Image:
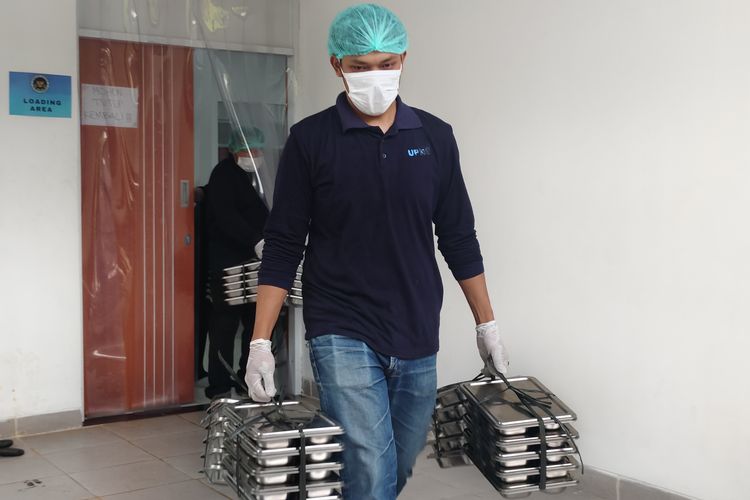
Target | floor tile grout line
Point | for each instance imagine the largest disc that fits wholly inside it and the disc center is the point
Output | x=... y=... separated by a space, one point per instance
x=59 y=431
x=188 y=478
x=154 y=459
x=113 y=443
x=148 y=487
x=212 y=486
x=160 y=434
x=98 y=469
x=81 y=485
x=44 y=453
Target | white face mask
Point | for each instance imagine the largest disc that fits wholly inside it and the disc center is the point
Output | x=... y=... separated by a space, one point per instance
x=372 y=92
x=246 y=163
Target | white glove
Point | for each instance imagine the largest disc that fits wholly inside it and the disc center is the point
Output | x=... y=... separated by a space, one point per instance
x=259 y=371
x=259 y=248
x=491 y=349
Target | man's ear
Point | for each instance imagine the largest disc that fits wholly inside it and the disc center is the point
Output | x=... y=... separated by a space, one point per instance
x=336 y=65
x=403 y=58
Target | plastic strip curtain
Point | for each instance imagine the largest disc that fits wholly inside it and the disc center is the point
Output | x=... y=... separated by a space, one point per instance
x=252 y=87
x=163 y=86
x=236 y=88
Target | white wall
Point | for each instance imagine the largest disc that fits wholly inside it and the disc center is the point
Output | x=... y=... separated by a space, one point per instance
x=605 y=146
x=40 y=219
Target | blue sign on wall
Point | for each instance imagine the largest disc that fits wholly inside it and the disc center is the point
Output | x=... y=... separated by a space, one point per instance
x=39 y=94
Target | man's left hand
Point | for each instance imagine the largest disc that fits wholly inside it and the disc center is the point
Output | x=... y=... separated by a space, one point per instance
x=491 y=348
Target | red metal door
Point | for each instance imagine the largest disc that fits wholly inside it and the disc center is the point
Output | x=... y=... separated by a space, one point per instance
x=137 y=209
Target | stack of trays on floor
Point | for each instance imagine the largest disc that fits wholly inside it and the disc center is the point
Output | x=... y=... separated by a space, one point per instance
x=502 y=436
x=275 y=452
x=239 y=285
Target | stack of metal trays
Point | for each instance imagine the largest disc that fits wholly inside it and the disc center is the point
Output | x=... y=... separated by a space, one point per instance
x=213 y=453
x=502 y=436
x=216 y=422
x=448 y=427
x=240 y=285
x=275 y=452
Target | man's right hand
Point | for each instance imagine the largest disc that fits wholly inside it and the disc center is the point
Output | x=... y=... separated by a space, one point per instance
x=258 y=248
x=259 y=371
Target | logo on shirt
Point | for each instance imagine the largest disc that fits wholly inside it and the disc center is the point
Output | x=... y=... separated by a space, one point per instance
x=425 y=151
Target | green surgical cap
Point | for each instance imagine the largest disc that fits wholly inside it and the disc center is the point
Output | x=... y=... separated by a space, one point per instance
x=366 y=28
x=248 y=138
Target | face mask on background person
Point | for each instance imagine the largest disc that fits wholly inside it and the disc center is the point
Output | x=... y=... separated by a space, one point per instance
x=249 y=164
x=372 y=92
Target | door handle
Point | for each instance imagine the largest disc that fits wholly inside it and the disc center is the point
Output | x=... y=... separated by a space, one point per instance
x=184 y=194
x=188 y=240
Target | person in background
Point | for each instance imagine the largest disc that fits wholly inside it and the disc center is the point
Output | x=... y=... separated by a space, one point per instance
x=359 y=189
x=235 y=217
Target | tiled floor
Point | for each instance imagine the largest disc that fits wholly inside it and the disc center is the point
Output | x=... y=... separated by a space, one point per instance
x=159 y=459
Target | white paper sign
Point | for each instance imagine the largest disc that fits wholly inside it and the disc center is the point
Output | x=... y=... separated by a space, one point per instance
x=108 y=106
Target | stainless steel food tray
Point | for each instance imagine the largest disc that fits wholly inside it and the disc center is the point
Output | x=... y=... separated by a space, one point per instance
x=445 y=445
x=235 y=415
x=247 y=299
x=553 y=438
x=234 y=285
x=250 y=266
x=242 y=276
x=524 y=474
x=233 y=278
x=515 y=490
x=449 y=395
x=449 y=413
x=501 y=406
x=449 y=429
x=450 y=459
x=242 y=292
x=265 y=433
x=521 y=458
x=277 y=457
x=489 y=425
x=322 y=491
x=280 y=476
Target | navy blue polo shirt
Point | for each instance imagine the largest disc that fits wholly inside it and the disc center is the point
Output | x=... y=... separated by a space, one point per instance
x=361 y=205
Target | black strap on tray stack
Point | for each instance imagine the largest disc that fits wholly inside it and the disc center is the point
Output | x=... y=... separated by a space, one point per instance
x=302 y=479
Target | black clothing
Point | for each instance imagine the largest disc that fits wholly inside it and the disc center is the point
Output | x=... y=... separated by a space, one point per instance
x=363 y=205
x=221 y=336
x=235 y=216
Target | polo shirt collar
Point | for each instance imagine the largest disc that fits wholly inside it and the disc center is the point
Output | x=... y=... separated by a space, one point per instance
x=406 y=118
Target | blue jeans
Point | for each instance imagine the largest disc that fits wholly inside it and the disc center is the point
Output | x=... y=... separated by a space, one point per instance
x=384 y=405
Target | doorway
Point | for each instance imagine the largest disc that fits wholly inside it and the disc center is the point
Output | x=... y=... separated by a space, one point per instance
x=155 y=121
